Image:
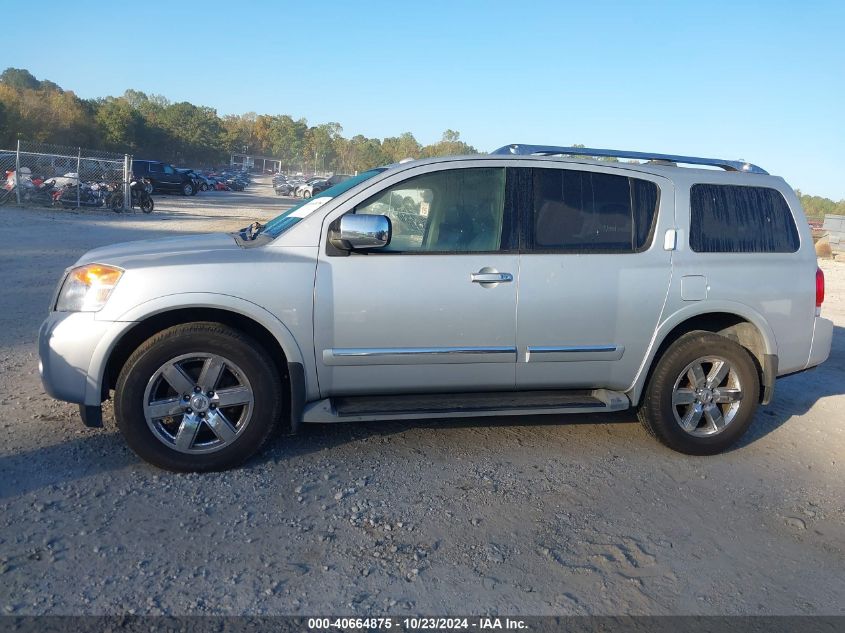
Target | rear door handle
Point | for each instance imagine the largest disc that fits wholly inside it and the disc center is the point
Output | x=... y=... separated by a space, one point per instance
x=490 y=278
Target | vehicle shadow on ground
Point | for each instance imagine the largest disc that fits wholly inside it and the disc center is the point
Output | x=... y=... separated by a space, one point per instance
x=103 y=451
x=796 y=395
x=95 y=453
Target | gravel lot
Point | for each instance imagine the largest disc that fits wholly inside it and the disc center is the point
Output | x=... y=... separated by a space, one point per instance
x=530 y=515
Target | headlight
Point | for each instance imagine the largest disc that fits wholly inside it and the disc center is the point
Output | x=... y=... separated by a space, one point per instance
x=87 y=288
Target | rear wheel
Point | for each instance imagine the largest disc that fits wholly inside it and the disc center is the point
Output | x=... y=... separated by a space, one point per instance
x=198 y=397
x=702 y=395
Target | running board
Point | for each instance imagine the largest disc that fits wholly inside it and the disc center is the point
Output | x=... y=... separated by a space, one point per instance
x=462 y=405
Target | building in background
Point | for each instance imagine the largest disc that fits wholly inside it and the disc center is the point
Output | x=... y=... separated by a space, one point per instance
x=834 y=225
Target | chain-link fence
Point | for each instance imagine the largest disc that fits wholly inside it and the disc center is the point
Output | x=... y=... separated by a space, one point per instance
x=39 y=174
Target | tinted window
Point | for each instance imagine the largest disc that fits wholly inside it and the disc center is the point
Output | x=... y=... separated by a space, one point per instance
x=582 y=211
x=154 y=167
x=735 y=219
x=457 y=210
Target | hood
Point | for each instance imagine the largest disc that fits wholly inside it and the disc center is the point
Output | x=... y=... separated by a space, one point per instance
x=141 y=251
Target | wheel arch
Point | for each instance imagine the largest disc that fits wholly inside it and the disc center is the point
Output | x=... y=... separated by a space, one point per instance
x=270 y=333
x=739 y=324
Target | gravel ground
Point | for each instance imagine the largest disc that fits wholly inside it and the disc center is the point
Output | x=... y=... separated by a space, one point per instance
x=529 y=515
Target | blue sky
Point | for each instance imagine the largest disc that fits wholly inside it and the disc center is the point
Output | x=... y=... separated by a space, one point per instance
x=762 y=81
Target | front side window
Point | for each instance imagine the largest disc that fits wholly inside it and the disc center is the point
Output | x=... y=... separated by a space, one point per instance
x=738 y=219
x=168 y=170
x=582 y=212
x=456 y=210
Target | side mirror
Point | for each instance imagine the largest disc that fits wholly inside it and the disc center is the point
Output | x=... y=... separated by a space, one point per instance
x=361 y=231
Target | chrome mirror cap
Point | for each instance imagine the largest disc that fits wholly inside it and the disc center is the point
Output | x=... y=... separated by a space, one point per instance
x=362 y=231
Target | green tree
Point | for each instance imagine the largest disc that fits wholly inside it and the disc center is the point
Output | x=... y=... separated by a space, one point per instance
x=20 y=79
x=450 y=144
x=121 y=126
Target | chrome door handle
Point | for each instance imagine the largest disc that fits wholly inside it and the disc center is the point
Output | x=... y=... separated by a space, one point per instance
x=490 y=278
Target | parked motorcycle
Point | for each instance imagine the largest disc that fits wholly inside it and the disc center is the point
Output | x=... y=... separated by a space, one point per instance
x=141 y=189
x=113 y=198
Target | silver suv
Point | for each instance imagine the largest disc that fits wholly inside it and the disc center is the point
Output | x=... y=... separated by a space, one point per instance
x=531 y=280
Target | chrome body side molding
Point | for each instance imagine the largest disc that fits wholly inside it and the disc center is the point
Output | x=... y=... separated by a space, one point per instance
x=417 y=355
x=570 y=353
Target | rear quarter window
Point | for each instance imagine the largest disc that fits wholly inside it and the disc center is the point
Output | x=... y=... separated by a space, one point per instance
x=739 y=219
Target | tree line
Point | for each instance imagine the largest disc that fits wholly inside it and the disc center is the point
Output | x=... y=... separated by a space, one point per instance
x=151 y=126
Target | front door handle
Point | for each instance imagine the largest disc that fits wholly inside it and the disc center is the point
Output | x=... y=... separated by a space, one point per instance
x=490 y=278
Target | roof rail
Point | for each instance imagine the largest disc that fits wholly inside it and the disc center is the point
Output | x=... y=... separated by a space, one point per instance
x=551 y=150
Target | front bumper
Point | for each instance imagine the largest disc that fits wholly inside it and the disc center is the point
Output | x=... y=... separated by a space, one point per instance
x=69 y=345
x=822 y=340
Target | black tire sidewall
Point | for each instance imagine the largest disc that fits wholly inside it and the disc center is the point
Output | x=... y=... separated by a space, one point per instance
x=260 y=371
x=658 y=410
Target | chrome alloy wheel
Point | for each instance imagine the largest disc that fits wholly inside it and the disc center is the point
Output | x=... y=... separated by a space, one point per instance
x=198 y=403
x=706 y=396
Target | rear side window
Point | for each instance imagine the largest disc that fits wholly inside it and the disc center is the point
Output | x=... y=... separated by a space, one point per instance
x=736 y=219
x=154 y=167
x=583 y=212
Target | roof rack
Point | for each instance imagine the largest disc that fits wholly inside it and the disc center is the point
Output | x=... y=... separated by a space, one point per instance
x=551 y=150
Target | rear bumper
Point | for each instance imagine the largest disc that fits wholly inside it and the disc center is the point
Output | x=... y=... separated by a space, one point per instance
x=822 y=339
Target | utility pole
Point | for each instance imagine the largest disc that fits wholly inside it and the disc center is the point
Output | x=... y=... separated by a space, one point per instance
x=315 y=163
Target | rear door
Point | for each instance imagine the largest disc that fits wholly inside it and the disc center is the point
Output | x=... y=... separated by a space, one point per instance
x=156 y=175
x=593 y=275
x=171 y=177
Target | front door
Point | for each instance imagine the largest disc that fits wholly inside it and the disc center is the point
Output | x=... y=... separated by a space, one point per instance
x=593 y=275
x=435 y=310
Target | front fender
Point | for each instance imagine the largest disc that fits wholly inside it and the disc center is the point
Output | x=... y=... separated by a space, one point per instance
x=168 y=303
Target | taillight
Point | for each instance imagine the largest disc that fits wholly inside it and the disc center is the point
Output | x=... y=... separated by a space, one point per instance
x=819 y=287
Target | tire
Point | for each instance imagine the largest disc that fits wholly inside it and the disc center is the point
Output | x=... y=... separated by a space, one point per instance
x=116 y=203
x=306 y=194
x=716 y=411
x=147 y=205
x=203 y=187
x=162 y=371
x=188 y=189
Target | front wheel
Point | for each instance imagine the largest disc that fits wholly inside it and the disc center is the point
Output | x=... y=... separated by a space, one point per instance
x=198 y=397
x=702 y=395
x=188 y=189
x=147 y=205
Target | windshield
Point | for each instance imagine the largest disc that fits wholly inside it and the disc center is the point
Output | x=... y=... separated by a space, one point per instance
x=283 y=222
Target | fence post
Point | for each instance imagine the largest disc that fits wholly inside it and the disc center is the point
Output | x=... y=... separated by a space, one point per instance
x=18 y=172
x=127 y=193
x=78 y=175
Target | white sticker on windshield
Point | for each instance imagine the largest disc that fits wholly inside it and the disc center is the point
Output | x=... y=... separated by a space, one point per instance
x=307 y=209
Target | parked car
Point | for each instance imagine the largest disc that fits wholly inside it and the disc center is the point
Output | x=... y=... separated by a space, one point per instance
x=284 y=188
x=311 y=187
x=681 y=292
x=164 y=177
x=336 y=179
x=196 y=180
